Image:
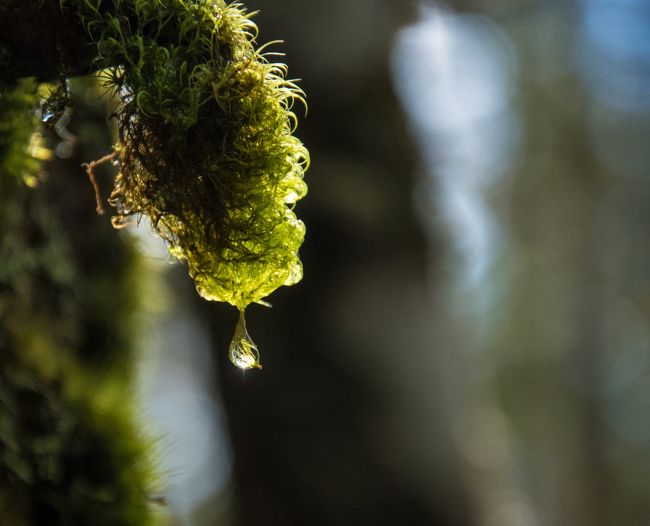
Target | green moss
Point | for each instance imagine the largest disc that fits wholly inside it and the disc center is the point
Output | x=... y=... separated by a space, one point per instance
x=205 y=147
x=68 y=460
x=206 y=151
x=62 y=267
x=17 y=124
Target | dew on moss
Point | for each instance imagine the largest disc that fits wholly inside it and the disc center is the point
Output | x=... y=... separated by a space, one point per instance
x=206 y=147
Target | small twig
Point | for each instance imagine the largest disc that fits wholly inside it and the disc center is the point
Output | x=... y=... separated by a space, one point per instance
x=89 y=167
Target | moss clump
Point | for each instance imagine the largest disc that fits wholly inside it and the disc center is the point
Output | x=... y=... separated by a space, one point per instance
x=205 y=147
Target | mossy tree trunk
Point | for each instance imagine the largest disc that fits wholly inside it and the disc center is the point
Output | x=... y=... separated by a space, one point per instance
x=70 y=450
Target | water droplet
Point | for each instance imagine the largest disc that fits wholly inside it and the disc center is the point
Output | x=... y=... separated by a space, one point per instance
x=48 y=116
x=242 y=351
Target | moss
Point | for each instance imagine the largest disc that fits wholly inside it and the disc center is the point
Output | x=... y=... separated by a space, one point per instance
x=206 y=151
x=17 y=124
x=63 y=268
x=205 y=148
x=68 y=460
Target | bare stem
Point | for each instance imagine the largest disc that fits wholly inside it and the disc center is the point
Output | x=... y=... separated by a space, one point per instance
x=90 y=167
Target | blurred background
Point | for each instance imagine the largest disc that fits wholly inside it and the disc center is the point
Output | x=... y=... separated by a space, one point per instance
x=470 y=343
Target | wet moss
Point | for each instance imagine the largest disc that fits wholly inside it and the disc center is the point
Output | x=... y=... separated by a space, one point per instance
x=206 y=147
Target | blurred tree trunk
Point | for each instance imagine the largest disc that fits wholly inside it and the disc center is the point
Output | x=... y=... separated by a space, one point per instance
x=344 y=425
x=70 y=452
x=565 y=320
x=556 y=313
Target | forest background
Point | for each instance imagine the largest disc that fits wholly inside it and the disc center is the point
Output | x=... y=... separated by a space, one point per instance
x=470 y=342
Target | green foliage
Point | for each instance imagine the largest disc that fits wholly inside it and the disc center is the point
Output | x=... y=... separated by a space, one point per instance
x=205 y=147
x=68 y=460
x=17 y=124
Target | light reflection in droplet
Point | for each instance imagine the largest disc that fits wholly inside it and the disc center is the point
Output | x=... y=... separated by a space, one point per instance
x=242 y=351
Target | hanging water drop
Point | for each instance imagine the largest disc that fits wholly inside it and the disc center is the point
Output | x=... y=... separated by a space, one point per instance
x=243 y=351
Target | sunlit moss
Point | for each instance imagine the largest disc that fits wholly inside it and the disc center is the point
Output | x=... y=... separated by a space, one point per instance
x=205 y=146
